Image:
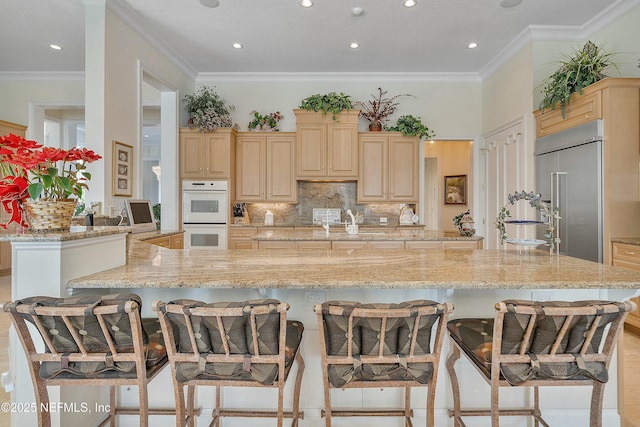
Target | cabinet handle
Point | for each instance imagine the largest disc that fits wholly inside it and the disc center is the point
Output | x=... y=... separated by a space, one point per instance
x=629 y=253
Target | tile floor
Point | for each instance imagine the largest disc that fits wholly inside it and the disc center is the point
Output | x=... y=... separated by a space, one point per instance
x=631 y=361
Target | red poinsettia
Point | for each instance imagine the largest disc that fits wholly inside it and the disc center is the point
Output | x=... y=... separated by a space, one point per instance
x=31 y=170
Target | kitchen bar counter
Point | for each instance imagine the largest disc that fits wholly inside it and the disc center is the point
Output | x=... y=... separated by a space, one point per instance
x=154 y=267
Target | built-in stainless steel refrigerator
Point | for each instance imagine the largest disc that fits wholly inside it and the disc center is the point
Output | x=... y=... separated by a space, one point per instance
x=569 y=177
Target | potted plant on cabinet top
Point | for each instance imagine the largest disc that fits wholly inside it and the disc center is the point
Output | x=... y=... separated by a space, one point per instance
x=378 y=110
x=208 y=110
x=577 y=71
x=268 y=122
x=411 y=126
x=330 y=102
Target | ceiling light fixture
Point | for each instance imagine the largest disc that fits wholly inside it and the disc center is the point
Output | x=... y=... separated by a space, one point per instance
x=210 y=3
x=237 y=46
x=510 y=3
x=409 y=3
x=354 y=45
x=55 y=47
x=357 y=11
x=472 y=45
x=306 y=3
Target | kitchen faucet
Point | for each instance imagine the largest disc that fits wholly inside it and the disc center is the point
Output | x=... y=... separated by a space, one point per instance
x=326 y=223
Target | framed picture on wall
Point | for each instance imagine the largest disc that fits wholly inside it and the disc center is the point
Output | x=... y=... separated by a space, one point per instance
x=122 y=169
x=455 y=190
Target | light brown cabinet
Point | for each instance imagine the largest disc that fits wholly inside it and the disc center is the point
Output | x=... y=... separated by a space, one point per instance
x=207 y=155
x=388 y=168
x=174 y=241
x=628 y=256
x=242 y=238
x=265 y=167
x=327 y=148
x=617 y=102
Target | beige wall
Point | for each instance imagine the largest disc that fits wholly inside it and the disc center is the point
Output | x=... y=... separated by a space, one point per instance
x=454 y=158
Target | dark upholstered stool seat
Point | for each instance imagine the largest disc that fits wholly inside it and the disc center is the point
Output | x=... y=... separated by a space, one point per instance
x=538 y=344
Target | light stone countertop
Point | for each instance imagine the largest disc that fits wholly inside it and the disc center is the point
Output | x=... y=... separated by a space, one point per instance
x=338 y=233
x=19 y=234
x=151 y=266
x=627 y=240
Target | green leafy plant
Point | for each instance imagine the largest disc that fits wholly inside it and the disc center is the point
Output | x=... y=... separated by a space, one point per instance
x=460 y=219
x=379 y=108
x=579 y=70
x=156 y=208
x=208 y=110
x=267 y=122
x=330 y=102
x=411 y=126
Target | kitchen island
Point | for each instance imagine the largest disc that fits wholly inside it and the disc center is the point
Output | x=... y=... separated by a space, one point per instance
x=472 y=279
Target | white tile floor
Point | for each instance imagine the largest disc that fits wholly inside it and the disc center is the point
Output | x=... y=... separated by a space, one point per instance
x=631 y=361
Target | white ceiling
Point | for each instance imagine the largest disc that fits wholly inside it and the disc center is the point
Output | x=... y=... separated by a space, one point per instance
x=282 y=36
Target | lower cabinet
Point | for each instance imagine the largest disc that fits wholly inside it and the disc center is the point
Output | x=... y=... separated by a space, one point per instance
x=174 y=241
x=242 y=238
x=5 y=257
x=628 y=256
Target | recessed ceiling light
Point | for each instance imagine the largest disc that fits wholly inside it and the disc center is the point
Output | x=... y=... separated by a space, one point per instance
x=55 y=47
x=354 y=45
x=237 y=46
x=472 y=45
x=510 y=3
x=409 y=3
x=357 y=11
x=306 y=3
x=210 y=3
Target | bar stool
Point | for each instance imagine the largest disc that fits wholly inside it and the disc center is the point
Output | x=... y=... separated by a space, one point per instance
x=236 y=344
x=381 y=345
x=90 y=341
x=533 y=344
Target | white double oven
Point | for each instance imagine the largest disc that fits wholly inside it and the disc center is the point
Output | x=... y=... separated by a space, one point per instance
x=205 y=213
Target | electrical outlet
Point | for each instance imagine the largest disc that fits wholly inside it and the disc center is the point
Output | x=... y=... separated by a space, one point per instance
x=383 y=220
x=542 y=296
x=312 y=298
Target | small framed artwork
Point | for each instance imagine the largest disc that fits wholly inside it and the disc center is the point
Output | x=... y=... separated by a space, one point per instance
x=122 y=169
x=455 y=190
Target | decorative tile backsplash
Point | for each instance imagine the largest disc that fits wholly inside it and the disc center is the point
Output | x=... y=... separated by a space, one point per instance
x=324 y=195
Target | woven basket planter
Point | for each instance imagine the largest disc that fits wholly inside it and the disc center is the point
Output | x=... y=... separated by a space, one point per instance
x=49 y=215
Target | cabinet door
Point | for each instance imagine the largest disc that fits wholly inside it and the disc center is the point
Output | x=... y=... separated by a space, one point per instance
x=191 y=155
x=250 y=171
x=281 y=177
x=343 y=150
x=403 y=169
x=312 y=149
x=217 y=155
x=372 y=180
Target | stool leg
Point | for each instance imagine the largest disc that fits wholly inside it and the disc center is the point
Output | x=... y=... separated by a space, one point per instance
x=495 y=396
x=455 y=387
x=595 y=415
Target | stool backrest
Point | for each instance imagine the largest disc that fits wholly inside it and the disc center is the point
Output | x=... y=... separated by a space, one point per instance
x=82 y=336
x=556 y=340
x=250 y=335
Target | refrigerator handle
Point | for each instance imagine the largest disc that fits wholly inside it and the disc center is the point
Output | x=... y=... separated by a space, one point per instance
x=555 y=203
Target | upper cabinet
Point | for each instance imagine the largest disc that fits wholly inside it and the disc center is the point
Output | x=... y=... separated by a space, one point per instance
x=389 y=168
x=207 y=155
x=327 y=148
x=265 y=169
x=582 y=109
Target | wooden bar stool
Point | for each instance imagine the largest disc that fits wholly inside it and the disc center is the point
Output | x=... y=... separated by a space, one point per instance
x=90 y=341
x=538 y=344
x=235 y=344
x=381 y=345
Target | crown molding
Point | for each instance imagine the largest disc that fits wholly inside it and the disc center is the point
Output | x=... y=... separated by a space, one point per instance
x=559 y=33
x=41 y=75
x=335 y=76
x=130 y=17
